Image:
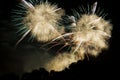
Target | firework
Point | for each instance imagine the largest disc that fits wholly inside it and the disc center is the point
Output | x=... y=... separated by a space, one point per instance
x=92 y=34
x=40 y=20
x=69 y=38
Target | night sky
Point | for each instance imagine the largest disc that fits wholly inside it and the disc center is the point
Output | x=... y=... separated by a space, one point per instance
x=106 y=63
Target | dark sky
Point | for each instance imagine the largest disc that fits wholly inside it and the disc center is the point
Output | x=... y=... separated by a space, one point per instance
x=106 y=62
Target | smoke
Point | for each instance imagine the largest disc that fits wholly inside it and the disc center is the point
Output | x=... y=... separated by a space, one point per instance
x=35 y=58
x=60 y=62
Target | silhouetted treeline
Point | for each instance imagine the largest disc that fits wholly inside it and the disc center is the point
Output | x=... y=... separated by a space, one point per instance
x=76 y=71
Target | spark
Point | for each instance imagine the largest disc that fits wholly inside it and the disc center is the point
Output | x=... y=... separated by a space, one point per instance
x=104 y=33
x=23 y=37
x=66 y=44
x=94 y=7
x=64 y=35
x=28 y=5
x=78 y=46
x=53 y=46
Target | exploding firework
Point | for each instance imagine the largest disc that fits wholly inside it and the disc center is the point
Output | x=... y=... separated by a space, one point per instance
x=89 y=36
x=71 y=38
x=41 y=20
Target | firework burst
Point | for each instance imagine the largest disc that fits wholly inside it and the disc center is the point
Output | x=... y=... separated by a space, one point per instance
x=41 y=20
x=91 y=34
x=73 y=37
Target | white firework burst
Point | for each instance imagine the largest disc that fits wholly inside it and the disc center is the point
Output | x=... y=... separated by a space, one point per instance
x=92 y=33
x=86 y=34
x=40 y=20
